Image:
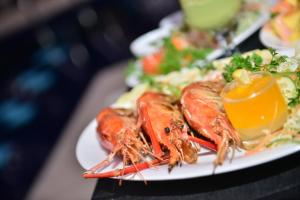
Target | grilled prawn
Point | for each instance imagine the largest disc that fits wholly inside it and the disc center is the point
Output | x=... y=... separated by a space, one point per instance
x=202 y=108
x=120 y=135
x=164 y=124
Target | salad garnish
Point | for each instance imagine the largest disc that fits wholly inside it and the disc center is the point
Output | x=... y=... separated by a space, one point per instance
x=279 y=65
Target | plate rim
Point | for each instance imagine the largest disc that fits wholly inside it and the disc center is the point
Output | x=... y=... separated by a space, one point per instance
x=282 y=151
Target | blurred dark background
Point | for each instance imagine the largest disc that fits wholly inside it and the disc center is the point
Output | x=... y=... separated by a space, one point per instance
x=49 y=51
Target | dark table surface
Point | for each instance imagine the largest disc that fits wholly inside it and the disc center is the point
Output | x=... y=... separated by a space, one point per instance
x=279 y=179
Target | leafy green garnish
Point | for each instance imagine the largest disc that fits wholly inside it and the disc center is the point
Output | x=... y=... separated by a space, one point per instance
x=257 y=59
x=255 y=63
x=131 y=68
x=147 y=79
x=295 y=101
x=175 y=59
x=172 y=58
x=196 y=54
x=275 y=61
x=273 y=15
x=161 y=87
x=168 y=89
x=250 y=63
x=207 y=67
x=281 y=139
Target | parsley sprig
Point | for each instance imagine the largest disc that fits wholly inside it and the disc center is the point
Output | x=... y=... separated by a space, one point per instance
x=250 y=63
x=253 y=63
x=175 y=59
x=275 y=61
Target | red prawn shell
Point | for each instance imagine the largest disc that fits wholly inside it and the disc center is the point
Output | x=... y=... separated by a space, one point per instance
x=201 y=105
x=164 y=124
x=111 y=123
x=204 y=112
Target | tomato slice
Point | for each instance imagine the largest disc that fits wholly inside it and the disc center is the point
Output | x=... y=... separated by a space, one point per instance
x=152 y=62
x=179 y=42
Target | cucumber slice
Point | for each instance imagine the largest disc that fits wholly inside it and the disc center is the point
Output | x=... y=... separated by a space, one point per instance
x=288 y=87
x=242 y=76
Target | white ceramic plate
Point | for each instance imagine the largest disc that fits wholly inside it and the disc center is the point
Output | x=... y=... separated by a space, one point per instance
x=89 y=152
x=270 y=40
x=173 y=20
x=151 y=41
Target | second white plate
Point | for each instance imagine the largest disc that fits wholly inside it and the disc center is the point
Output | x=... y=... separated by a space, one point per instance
x=272 y=41
x=150 y=42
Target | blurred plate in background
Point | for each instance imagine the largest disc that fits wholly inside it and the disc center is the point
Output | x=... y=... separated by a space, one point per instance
x=151 y=41
x=270 y=40
x=172 y=20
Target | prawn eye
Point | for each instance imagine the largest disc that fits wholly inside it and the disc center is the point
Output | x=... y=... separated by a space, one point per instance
x=167 y=130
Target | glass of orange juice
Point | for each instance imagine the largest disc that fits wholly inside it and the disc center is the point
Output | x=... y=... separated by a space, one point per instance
x=256 y=108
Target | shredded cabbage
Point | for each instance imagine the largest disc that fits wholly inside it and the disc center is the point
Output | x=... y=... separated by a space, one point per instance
x=128 y=99
x=293 y=122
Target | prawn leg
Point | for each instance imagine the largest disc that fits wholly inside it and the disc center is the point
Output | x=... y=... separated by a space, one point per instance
x=127 y=170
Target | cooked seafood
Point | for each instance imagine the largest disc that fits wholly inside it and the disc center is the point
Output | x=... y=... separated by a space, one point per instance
x=119 y=134
x=202 y=108
x=162 y=129
x=164 y=124
x=161 y=120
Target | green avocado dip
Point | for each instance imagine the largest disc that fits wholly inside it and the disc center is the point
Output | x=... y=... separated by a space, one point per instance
x=209 y=14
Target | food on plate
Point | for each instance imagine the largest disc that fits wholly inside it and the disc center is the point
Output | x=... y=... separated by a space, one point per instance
x=202 y=107
x=119 y=134
x=293 y=122
x=159 y=121
x=286 y=71
x=167 y=119
x=176 y=52
x=285 y=22
x=260 y=99
x=187 y=46
x=163 y=122
x=290 y=133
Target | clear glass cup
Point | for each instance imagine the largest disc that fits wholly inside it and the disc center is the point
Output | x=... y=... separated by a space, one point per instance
x=209 y=14
x=255 y=109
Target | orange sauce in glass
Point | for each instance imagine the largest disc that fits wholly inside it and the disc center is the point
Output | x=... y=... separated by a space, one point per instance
x=257 y=108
